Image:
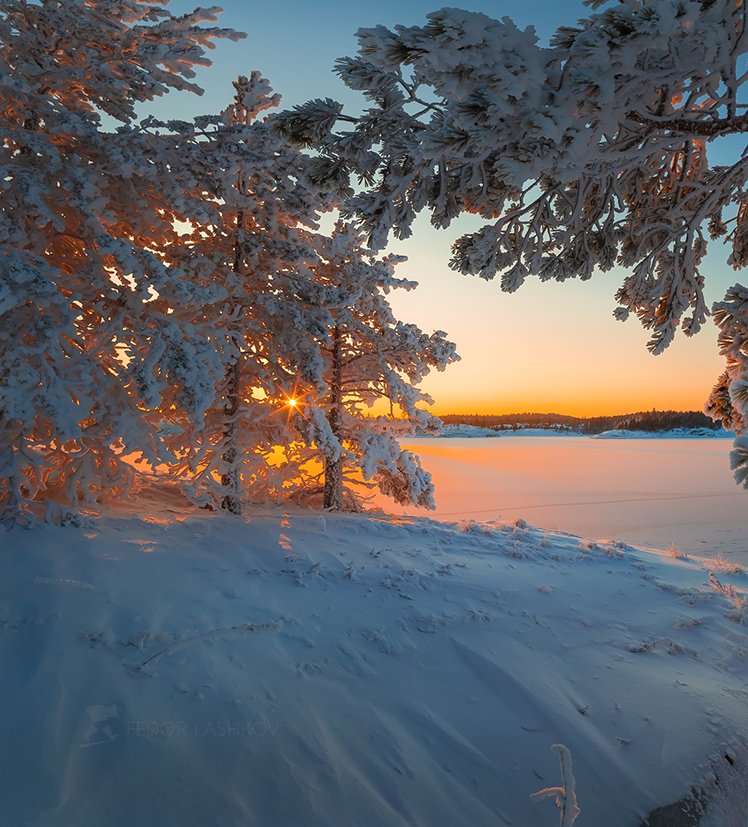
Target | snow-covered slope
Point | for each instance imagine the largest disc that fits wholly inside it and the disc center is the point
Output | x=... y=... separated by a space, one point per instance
x=173 y=669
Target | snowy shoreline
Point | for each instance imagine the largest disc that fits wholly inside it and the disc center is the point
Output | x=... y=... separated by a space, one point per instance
x=476 y=432
x=675 y=433
x=290 y=667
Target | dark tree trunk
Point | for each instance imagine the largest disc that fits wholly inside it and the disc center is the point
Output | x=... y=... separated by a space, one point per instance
x=332 y=498
x=231 y=479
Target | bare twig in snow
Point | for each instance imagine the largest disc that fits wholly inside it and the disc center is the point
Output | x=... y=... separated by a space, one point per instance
x=242 y=629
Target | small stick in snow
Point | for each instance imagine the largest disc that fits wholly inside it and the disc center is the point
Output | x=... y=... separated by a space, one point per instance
x=244 y=628
x=565 y=795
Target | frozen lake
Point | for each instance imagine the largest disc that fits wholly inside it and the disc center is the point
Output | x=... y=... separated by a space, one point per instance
x=649 y=492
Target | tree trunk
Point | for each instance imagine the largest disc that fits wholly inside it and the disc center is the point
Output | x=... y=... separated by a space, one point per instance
x=332 y=498
x=231 y=479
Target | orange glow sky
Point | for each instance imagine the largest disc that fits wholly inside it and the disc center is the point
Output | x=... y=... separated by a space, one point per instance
x=548 y=347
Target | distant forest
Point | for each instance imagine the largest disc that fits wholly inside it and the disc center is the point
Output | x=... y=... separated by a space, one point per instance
x=641 y=421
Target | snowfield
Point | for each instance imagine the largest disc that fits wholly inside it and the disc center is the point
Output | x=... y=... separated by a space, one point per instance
x=164 y=667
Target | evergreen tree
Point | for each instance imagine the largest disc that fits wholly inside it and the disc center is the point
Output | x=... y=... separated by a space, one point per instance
x=256 y=243
x=303 y=330
x=370 y=358
x=85 y=345
x=583 y=155
x=729 y=397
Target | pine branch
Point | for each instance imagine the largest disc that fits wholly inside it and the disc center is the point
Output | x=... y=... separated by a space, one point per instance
x=706 y=129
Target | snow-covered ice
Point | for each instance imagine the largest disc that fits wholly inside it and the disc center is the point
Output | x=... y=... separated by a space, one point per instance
x=650 y=492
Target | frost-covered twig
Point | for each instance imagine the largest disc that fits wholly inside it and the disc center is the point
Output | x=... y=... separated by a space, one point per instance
x=672 y=647
x=726 y=566
x=676 y=551
x=739 y=610
x=242 y=629
x=566 y=797
x=727 y=589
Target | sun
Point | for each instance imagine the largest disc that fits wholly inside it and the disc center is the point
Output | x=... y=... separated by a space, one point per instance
x=293 y=404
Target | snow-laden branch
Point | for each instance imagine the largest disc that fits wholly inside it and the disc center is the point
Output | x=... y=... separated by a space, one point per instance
x=565 y=795
x=696 y=126
x=583 y=155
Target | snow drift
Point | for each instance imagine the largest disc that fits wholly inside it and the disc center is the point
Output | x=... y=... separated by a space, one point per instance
x=289 y=668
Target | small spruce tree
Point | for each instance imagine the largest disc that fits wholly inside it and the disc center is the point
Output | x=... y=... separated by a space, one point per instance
x=370 y=359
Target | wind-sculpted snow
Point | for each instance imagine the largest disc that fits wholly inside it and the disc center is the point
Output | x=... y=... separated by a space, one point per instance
x=295 y=668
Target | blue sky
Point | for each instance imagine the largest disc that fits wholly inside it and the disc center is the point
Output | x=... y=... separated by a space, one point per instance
x=295 y=44
x=548 y=346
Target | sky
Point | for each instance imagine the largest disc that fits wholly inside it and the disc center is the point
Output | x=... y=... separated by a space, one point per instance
x=547 y=347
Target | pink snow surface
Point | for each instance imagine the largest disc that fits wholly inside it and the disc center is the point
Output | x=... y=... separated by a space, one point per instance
x=651 y=492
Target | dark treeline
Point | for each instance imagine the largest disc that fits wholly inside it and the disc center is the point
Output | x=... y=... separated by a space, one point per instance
x=641 y=421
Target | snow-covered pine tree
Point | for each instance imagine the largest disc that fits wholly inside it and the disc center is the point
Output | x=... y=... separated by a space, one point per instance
x=83 y=346
x=370 y=359
x=257 y=243
x=596 y=151
x=728 y=400
x=569 y=151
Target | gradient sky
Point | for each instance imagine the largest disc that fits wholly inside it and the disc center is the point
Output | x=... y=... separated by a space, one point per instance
x=548 y=347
